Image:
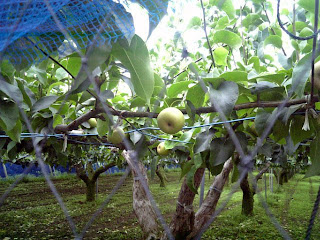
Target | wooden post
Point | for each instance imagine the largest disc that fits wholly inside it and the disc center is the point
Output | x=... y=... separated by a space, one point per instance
x=271 y=180
x=265 y=186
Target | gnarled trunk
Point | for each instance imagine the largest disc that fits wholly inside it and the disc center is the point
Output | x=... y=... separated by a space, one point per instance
x=90 y=194
x=161 y=176
x=210 y=203
x=247 y=197
x=183 y=220
x=141 y=204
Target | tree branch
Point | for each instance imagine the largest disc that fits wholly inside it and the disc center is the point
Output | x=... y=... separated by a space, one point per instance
x=263 y=170
x=102 y=169
x=202 y=110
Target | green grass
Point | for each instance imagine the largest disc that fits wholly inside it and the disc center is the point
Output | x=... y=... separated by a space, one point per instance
x=32 y=212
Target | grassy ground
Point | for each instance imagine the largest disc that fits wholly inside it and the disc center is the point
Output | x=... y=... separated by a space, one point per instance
x=32 y=212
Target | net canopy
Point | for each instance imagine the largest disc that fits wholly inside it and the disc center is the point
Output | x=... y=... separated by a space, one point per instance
x=58 y=26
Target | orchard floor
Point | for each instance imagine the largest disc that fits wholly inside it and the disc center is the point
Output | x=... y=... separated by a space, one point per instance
x=32 y=212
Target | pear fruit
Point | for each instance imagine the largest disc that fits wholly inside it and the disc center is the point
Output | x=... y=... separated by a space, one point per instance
x=161 y=150
x=170 y=120
x=92 y=122
x=116 y=136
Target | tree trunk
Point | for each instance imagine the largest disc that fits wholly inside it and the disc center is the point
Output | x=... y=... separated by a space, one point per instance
x=91 y=194
x=283 y=178
x=210 y=203
x=161 y=176
x=247 y=197
x=183 y=220
x=141 y=204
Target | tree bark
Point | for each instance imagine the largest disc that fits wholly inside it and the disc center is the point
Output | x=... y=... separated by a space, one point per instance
x=141 y=205
x=91 y=180
x=183 y=220
x=90 y=194
x=161 y=176
x=247 y=198
x=210 y=203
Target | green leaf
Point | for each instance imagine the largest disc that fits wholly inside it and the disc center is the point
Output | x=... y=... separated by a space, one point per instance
x=220 y=55
x=225 y=97
x=220 y=151
x=11 y=91
x=226 y=6
x=274 y=41
x=28 y=95
x=223 y=22
x=235 y=76
x=159 y=87
x=40 y=72
x=194 y=22
x=114 y=77
x=203 y=141
x=252 y=19
x=102 y=127
x=190 y=179
x=261 y=120
x=196 y=95
x=307 y=5
x=15 y=133
x=9 y=114
x=191 y=110
x=296 y=131
x=43 y=103
x=177 y=88
x=95 y=57
x=7 y=69
x=57 y=119
x=136 y=60
x=314 y=169
x=231 y=39
x=74 y=65
x=300 y=75
x=185 y=168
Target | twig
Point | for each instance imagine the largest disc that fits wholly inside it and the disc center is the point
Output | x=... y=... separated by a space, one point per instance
x=205 y=31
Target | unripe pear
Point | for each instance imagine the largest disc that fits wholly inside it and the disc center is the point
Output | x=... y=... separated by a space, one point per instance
x=161 y=150
x=116 y=136
x=92 y=122
x=170 y=120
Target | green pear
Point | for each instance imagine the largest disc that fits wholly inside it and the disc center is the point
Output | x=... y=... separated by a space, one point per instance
x=161 y=150
x=92 y=122
x=116 y=136
x=170 y=120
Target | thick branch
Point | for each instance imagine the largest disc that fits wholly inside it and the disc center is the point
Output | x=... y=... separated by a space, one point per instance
x=210 y=203
x=184 y=219
x=102 y=169
x=127 y=114
x=81 y=173
x=263 y=170
x=142 y=206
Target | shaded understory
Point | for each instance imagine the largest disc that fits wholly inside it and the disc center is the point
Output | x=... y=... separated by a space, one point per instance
x=32 y=212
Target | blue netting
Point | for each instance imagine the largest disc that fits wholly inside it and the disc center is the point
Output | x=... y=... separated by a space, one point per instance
x=25 y=24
